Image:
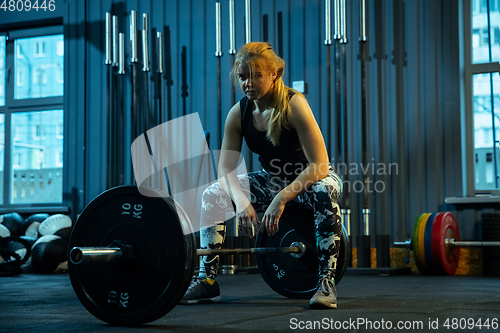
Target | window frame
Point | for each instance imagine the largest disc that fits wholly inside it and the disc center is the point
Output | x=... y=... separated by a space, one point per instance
x=13 y=106
x=470 y=69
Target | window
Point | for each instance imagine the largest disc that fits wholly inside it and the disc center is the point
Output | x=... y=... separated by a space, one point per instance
x=20 y=77
x=43 y=63
x=60 y=131
x=2 y=154
x=482 y=94
x=60 y=48
x=39 y=49
x=32 y=117
x=2 y=69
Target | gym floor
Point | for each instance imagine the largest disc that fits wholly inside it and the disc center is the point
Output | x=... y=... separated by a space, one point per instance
x=46 y=303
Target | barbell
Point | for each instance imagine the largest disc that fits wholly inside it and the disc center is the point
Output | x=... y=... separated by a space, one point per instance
x=436 y=243
x=132 y=256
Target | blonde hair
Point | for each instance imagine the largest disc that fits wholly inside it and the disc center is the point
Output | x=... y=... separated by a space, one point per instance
x=259 y=54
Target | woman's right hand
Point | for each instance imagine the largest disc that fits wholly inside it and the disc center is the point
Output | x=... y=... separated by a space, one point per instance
x=246 y=218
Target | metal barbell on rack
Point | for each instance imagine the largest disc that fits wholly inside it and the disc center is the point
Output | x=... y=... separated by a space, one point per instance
x=436 y=243
x=132 y=256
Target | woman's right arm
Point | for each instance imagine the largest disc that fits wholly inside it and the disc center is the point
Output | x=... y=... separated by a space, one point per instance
x=228 y=179
x=230 y=154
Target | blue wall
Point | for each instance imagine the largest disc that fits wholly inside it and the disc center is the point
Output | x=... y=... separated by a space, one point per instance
x=413 y=90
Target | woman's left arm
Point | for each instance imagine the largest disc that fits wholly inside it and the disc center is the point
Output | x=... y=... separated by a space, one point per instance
x=302 y=119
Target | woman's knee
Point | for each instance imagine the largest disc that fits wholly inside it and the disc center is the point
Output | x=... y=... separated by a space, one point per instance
x=215 y=196
x=327 y=189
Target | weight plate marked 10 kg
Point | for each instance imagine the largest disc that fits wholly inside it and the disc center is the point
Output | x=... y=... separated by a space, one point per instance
x=445 y=255
x=147 y=287
x=296 y=277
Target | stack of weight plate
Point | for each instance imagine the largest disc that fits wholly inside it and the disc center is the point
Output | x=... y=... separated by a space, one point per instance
x=491 y=255
x=433 y=256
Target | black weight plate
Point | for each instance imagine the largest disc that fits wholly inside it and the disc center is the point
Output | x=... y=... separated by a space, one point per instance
x=143 y=289
x=296 y=277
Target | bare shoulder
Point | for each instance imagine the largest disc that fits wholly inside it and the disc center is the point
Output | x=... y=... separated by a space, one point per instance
x=299 y=110
x=233 y=119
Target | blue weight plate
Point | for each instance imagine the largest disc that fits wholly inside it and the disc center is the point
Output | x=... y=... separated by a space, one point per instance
x=428 y=244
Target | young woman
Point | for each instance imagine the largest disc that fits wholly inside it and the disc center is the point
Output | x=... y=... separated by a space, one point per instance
x=278 y=125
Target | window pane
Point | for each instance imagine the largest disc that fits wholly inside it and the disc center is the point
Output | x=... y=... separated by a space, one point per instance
x=486 y=88
x=37 y=150
x=38 y=62
x=485 y=41
x=2 y=154
x=2 y=70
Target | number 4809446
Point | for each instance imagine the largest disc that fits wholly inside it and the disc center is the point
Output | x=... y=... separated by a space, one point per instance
x=28 y=5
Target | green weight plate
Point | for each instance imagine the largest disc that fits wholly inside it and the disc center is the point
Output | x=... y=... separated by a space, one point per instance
x=414 y=241
x=421 y=248
x=143 y=289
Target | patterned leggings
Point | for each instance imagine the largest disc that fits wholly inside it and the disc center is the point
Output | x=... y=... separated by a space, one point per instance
x=322 y=197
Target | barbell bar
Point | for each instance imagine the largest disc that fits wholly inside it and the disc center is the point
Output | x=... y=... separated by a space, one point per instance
x=92 y=255
x=408 y=243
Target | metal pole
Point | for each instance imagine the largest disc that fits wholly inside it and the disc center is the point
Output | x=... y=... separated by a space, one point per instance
x=94 y=255
x=108 y=62
x=256 y=250
x=453 y=242
x=232 y=45
x=342 y=88
x=134 y=112
x=328 y=43
x=471 y=243
x=248 y=22
x=364 y=116
x=218 y=54
x=160 y=72
x=120 y=116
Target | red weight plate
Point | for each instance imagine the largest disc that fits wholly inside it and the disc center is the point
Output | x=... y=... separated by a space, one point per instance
x=445 y=255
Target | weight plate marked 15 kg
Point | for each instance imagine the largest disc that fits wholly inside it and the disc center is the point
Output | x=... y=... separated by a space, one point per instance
x=296 y=277
x=147 y=287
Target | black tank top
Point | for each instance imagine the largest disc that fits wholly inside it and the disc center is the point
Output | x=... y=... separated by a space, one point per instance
x=286 y=160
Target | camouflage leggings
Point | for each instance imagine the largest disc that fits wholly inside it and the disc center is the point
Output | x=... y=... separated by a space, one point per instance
x=322 y=197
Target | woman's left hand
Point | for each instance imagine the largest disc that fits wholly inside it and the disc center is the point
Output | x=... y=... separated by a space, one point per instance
x=271 y=217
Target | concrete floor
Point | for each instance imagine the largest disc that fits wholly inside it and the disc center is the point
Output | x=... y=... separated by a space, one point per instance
x=47 y=303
